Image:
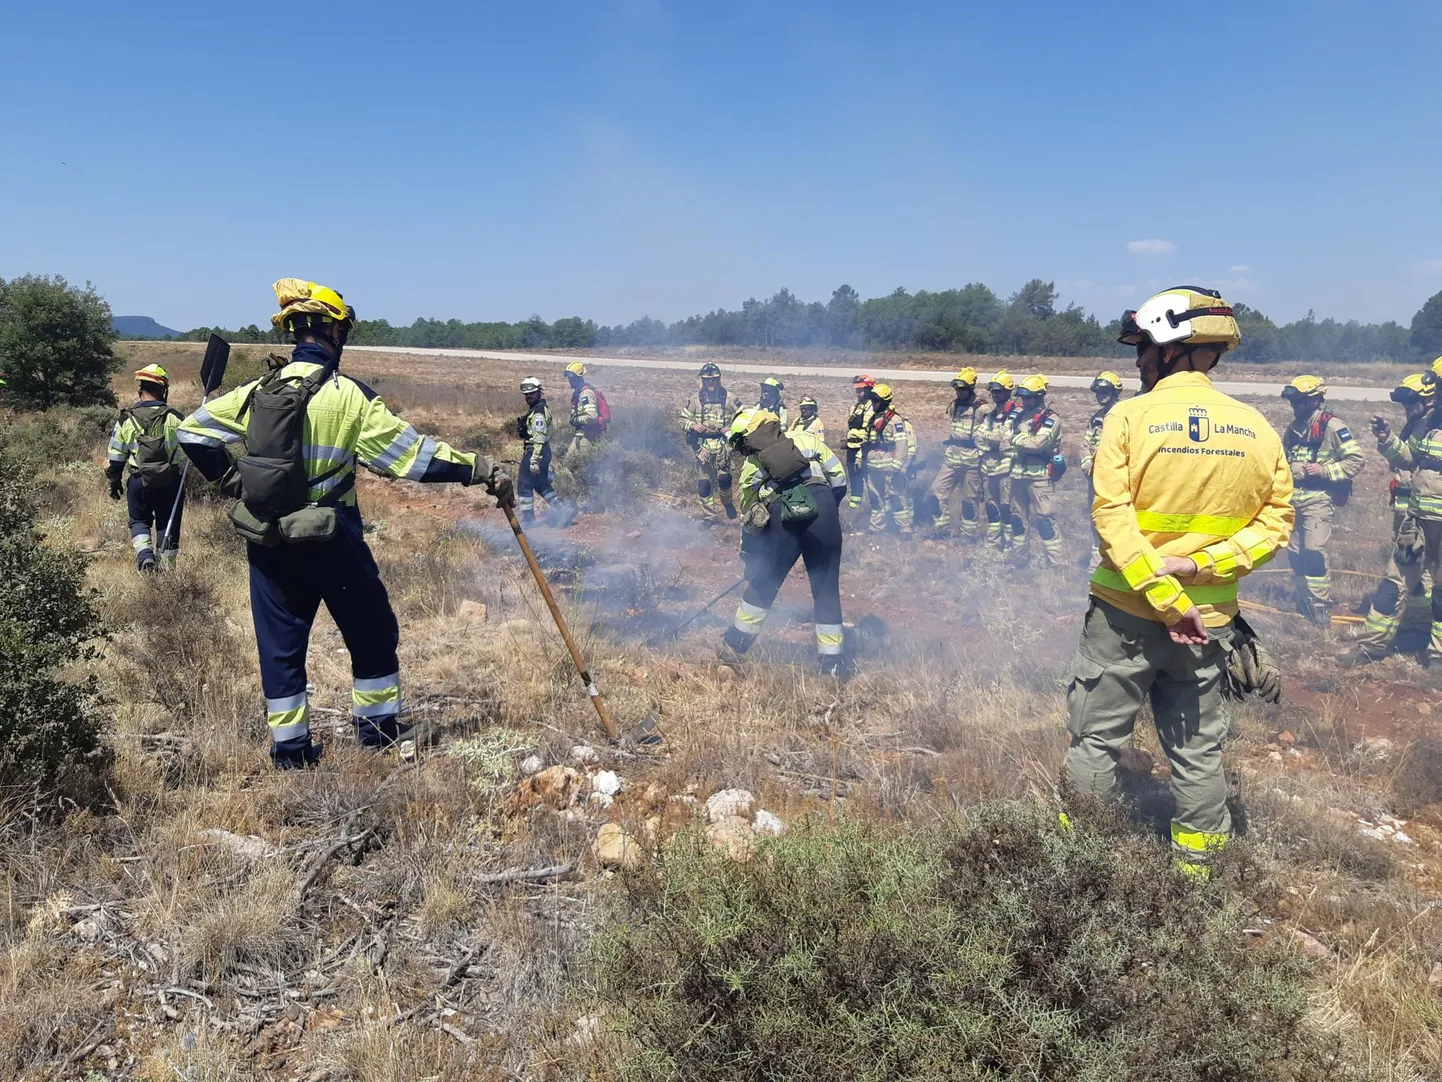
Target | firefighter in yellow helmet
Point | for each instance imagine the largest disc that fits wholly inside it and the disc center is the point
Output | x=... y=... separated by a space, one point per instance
x=306 y=429
x=790 y=490
x=1036 y=461
x=1325 y=458
x=770 y=400
x=144 y=439
x=705 y=418
x=1107 y=387
x=993 y=436
x=858 y=421
x=890 y=451
x=807 y=419
x=586 y=421
x=1416 y=519
x=961 y=458
x=1193 y=491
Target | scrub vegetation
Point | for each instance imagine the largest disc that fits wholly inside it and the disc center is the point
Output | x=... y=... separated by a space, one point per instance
x=173 y=908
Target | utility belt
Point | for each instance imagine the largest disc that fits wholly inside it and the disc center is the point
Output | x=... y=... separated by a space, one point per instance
x=314 y=522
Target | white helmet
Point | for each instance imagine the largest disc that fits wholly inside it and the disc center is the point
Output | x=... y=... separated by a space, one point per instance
x=530 y=385
x=1183 y=314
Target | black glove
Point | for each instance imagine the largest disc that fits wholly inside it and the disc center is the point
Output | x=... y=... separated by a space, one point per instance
x=502 y=488
x=1248 y=669
x=116 y=490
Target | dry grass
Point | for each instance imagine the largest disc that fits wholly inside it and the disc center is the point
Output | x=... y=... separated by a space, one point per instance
x=959 y=702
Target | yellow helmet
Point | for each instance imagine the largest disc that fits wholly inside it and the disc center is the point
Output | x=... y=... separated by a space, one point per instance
x=1105 y=380
x=1003 y=380
x=308 y=304
x=1305 y=387
x=1418 y=387
x=748 y=421
x=1032 y=386
x=965 y=378
x=1187 y=314
x=153 y=373
x=576 y=368
x=1437 y=368
x=883 y=392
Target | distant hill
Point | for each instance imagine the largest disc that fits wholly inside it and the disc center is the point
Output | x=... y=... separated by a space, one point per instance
x=141 y=327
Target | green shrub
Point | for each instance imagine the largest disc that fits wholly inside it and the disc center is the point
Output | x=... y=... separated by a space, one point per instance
x=1001 y=947
x=48 y=725
x=58 y=435
x=55 y=343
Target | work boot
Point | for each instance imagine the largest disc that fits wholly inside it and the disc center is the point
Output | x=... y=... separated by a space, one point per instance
x=734 y=645
x=837 y=665
x=145 y=562
x=563 y=515
x=296 y=758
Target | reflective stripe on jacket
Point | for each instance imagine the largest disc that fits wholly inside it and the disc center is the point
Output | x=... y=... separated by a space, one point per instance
x=961 y=448
x=754 y=485
x=1421 y=452
x=346 y=422
x=1036 y=440
x=1184 y=470
x=121 y=452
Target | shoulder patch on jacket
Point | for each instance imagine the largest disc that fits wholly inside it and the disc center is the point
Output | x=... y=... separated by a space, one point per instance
x=364 y=389
x=1343 y=433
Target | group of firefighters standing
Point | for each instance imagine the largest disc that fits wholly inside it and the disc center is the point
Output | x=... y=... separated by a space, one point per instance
x=1190 y=490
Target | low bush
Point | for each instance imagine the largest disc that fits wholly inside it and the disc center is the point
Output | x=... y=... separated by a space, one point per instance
x=998 y=947
x=49 y=725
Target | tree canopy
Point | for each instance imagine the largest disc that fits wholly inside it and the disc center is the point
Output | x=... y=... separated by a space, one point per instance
x=55 y=343
x=969 y=319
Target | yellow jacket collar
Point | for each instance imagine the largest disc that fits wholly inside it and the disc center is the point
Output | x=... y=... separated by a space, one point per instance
x=1185 y=378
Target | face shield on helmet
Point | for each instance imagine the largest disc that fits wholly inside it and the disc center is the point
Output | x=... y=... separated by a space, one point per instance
x=1305 y=392
x=1107 y=385
x=576 y=373
x=881 y=395
x=964 y=381
x=531 y=388
x=807 y=406
x=771 y=389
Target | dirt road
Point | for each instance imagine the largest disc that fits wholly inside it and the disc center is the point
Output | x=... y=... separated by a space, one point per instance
x=888 y=375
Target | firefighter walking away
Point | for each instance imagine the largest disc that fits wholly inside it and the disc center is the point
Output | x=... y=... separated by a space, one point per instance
x=1193 y=491
x=789 y=495
x=144 y=440
x=306 y=428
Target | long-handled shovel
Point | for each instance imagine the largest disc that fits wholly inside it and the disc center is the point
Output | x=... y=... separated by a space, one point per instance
x=674 y=632
x=212 y=372
x=591 y=689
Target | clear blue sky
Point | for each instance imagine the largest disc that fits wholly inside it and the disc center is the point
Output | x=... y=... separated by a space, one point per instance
x=614 y=159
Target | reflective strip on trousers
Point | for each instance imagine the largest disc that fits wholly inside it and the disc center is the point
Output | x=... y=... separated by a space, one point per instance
x=829 y=639
x=140 y=539
x=1223 y=594
x=749 y=618
x=1197 y=841
x=378 y=697
x=288 y=717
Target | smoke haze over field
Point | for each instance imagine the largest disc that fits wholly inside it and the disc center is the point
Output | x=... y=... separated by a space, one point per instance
x=624 y=159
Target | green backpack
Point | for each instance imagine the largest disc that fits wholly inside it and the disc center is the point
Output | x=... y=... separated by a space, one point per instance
x=274 y=504
x=152 y=455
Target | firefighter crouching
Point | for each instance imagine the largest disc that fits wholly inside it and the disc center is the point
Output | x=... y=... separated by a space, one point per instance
x=857 y=422
x=1193 y=491
x=144 y=439
x=1107 y=388
x=993 y=435
x=306 y=427
x=890 y=450
x=790 y=491
x=1417 y=552
x=1324 y=458
x=960 y=472
x=705 y=418
x=1036 y=460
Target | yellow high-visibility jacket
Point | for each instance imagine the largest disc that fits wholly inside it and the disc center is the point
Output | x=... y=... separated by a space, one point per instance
x=1184 y=470
x=814 y=426
x=128 y=429
x=754 y=485
x=346 y=423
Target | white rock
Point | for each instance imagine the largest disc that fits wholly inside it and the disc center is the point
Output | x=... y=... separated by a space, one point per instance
x=1375 y=747
x=87 y=930
x=729 y=803
x=1402 y=838
x=243 y=845
x=606 y=781
x=766 y=824
x=1373 y=833
x=1274 y=756
x=600 y=800
x=532 y=764
x=584 y=754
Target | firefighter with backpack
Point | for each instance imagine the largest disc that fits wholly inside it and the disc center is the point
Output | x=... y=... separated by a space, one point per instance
x=535 y=476
x=144 y=440
x=307 y=427
x=1324 y=459
x=590 y=413
x=890 y=452
x=1036 y=465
